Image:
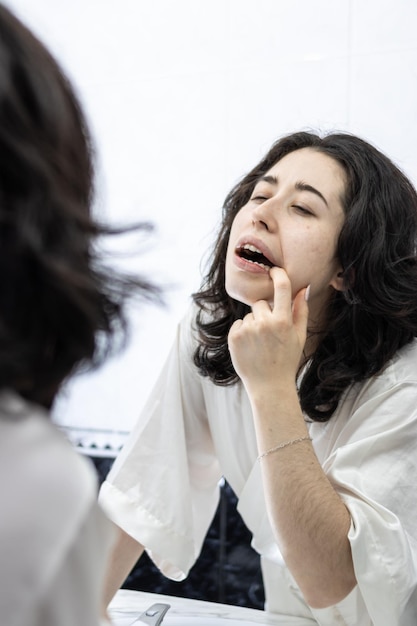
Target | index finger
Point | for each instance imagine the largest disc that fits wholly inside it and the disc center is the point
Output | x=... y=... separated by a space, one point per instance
x=282 y=291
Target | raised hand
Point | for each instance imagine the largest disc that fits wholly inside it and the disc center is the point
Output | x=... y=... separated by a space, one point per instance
x=267 y=345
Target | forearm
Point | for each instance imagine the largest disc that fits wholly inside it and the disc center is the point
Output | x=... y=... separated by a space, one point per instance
x=309 y=519
x=124 y=556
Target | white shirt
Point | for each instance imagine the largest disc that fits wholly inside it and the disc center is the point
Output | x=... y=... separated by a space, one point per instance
x=163 y=487
x=54 y=538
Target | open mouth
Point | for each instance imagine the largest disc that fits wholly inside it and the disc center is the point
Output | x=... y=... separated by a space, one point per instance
x=253 y=255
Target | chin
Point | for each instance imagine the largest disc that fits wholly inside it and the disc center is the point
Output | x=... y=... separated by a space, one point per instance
x=248 y=297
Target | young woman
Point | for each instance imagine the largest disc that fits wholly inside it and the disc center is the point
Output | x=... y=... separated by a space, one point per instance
x=59 y=309
x=294 y=375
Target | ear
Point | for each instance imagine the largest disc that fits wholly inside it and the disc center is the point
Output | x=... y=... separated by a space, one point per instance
x=338 y=280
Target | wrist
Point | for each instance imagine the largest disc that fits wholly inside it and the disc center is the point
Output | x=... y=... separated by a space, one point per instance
x=279 y=395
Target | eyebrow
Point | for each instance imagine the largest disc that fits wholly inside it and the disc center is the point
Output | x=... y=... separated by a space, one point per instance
x=300 y=186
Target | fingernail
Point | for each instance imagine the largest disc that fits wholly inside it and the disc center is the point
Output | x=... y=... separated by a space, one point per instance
x=307 y=293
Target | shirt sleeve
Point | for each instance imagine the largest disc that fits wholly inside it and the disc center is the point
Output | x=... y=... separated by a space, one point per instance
x=374 y=469
x=163 y=487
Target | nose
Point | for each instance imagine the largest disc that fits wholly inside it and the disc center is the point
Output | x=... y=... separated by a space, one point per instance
x=264 y=215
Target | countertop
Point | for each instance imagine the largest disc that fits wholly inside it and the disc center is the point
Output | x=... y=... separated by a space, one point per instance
x=128 y=605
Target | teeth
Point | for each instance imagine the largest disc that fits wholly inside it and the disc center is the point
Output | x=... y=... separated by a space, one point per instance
x=252 y=248
x=249 y=246
x=266 y=267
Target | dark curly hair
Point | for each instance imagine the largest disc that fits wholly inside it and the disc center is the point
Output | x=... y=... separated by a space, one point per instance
x=60 y=307
x=374 y=316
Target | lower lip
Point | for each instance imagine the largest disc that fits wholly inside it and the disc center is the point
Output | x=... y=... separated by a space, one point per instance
x=248 y=266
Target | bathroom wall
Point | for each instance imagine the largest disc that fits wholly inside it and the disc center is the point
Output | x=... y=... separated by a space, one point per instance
x=183 y=97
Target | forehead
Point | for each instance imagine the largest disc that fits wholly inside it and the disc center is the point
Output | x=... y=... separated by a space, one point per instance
x=312 y=167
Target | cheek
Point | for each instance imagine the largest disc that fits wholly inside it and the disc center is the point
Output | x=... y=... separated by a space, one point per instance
x=310 y=258
x=230 y=247
x=234 y=233
x=320 y=245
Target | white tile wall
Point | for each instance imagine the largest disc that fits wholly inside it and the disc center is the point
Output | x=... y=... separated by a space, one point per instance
x=184 y=96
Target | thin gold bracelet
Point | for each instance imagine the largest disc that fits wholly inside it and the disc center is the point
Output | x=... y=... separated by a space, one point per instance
x=291 y=442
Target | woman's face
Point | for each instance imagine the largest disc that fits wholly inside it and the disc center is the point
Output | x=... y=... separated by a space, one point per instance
x=292 y=220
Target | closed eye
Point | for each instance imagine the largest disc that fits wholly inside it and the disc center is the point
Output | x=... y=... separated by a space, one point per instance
x=259 y=199
x=303 y=210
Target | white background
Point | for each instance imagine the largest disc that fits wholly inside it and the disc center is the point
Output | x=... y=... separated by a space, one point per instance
x=185 y=96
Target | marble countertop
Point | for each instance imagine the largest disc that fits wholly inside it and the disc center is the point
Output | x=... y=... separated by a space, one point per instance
x=127 y=606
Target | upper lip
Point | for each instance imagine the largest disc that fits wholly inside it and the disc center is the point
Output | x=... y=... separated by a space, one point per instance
x=260 y=246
